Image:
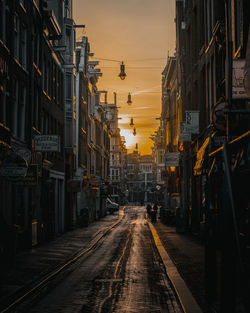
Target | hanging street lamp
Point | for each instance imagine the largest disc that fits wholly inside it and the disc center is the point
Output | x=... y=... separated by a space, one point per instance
x=134 y=132
x=129 y=102
x=122 y=74
x=131 y=122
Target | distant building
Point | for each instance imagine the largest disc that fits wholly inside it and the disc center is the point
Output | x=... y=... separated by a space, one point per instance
x=140 y=178
x=118 y=152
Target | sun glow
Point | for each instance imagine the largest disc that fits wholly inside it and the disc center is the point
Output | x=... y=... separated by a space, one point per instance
x=129 y=137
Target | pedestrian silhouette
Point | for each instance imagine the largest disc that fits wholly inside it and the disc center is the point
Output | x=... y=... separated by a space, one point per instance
x=149 y=209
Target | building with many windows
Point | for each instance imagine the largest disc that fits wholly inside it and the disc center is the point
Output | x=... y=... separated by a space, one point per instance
x=117 y=165
x=31 y=106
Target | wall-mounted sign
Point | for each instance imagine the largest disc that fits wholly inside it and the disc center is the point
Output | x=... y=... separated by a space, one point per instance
x=46 y=143
x=192 y=121
x=13 y=171
x=238 y=88
x=171 y=159
x=185 y=134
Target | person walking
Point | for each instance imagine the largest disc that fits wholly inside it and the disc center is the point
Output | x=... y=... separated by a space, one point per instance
x=153 y=215
x=149 y=209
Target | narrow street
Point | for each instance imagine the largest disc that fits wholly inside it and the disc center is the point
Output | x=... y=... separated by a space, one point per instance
x=122 y=274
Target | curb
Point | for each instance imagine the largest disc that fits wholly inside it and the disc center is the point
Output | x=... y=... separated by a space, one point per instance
x=186 y=299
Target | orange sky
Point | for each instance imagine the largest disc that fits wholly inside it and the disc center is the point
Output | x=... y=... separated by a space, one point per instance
x=139 y=32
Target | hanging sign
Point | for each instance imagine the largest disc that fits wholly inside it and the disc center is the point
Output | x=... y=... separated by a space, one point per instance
x=192 y=121
x=171 y=159
x=238 y=88
x=24 y=153
x=46 y=143
x=185 y=134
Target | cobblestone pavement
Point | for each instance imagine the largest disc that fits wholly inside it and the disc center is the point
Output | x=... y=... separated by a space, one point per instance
x=30 y=265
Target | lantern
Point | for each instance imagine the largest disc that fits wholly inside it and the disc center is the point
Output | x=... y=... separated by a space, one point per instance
x=129 y=102
x=122 y=74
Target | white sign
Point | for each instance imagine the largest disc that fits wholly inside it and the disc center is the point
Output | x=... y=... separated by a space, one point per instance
x=238 y=88
x=192 y=121
x=46 y=143
x=185 y=134
x=171 y=159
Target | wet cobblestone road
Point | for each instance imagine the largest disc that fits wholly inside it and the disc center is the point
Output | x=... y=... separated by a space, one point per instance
x=123 y=273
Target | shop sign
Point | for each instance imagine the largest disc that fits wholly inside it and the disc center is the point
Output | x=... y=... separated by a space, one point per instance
x=192 y=121
x=13 y=171
x=185 y=134
x=171 y=159
x=46 y=143
x=31 y=178
x=238 y=88
x=24 y=153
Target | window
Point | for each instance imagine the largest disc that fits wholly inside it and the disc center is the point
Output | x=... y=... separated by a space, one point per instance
x=45 y=75
x=68 y=86
x=2 y=20
x=15 y=108
x=36 y=49
x=237 y=24
x=23 y=46
x=7 y=35
x=36 y=108
x=210 y=19
x=21 y=113
x=67 y=9
x=16 y=28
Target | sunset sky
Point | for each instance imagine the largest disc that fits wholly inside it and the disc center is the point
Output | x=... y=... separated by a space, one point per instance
x=140 y=33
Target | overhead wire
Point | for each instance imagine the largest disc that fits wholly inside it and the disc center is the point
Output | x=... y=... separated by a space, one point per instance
x=132 y=60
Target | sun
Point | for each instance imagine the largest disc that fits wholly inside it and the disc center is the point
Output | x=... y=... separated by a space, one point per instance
x=129 y=137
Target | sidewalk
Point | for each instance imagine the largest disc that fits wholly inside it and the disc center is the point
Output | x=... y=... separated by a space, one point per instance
x=33 y=264
x=187 y=254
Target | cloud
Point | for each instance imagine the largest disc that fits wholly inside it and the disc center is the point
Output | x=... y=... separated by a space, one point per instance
x=141 y=108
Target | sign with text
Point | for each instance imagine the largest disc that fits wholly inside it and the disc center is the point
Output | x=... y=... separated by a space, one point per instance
x=13 y=171
x=192 y=121
x=238 y=88
x=46 y=143
x=171 y=159
x=185 y=134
